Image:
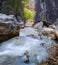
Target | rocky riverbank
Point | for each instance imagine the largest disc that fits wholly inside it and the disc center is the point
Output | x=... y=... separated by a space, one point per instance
x=9 y=26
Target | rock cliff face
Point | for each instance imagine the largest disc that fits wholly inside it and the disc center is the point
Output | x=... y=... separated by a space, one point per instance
x=46 y=10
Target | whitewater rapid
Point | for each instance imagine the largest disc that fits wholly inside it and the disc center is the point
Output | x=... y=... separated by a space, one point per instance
x=16 y=50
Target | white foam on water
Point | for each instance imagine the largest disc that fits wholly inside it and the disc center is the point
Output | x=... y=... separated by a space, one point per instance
x=36 y=49
x=28 y=31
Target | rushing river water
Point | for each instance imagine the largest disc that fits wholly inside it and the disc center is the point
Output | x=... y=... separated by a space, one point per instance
x=25 y=50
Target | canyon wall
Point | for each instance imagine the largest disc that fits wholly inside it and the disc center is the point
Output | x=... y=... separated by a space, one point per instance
x=46 y=10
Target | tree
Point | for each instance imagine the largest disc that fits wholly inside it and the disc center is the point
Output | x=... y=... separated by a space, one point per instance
x=15 y=7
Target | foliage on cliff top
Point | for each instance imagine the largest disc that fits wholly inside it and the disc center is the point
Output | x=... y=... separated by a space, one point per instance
x=15 y=7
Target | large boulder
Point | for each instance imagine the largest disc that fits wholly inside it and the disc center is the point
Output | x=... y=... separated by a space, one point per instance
x=9 y=26
x=53 y=33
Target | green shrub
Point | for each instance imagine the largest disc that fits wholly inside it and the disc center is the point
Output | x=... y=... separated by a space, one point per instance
x=28 y=14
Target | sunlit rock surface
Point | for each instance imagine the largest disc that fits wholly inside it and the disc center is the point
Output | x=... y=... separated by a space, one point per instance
x=39 y=25
x=53 y=33
x=6 y=17
x=25 y=50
